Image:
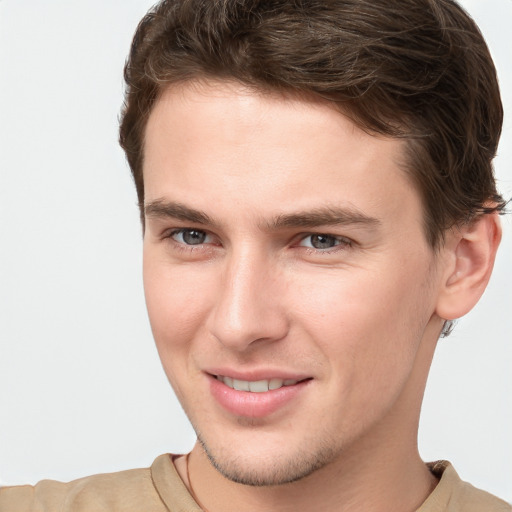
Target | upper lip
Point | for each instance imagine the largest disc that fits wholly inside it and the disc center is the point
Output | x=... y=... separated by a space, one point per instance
x=255 y=375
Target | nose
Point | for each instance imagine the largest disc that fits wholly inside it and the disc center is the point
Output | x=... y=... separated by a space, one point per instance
x=249 y=302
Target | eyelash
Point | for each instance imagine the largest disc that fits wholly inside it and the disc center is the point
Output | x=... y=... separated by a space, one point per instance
x=182 y=246
x=341 y=243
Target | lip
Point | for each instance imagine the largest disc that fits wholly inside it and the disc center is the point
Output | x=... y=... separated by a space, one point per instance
x=255 y=405
x=257 y=374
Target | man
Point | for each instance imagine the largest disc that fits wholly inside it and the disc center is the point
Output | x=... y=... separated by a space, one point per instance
x=318 y=205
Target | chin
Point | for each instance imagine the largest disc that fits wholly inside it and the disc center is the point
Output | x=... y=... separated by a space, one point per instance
x=260 y=469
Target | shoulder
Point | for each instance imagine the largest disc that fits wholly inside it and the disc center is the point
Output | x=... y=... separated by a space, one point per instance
x=131 y=490
x=454 y=495
x=472 y=499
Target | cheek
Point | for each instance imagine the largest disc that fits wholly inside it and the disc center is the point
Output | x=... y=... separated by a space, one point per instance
x=176 y=301
x=176 y=304
x=365 y=319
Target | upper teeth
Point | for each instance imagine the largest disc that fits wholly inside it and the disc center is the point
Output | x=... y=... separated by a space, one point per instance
x=256 y=386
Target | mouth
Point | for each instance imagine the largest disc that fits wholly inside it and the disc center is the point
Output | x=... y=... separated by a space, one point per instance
x=257 y=386
x=256 y=398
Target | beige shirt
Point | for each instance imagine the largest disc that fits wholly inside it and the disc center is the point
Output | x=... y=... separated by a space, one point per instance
x=160 y=489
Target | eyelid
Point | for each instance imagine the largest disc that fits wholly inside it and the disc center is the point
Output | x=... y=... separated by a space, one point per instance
x=341 y=240
x=176 y=231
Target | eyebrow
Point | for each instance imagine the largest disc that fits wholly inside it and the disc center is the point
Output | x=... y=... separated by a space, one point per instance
x=161 y=209
x=328 y=216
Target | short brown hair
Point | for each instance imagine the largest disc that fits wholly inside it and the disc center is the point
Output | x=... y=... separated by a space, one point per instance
x=415 y=69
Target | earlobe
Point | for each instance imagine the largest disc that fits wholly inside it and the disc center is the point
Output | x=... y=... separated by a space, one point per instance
x=468 y=265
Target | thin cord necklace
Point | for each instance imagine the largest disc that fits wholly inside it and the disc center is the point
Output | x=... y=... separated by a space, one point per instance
x=203 y=508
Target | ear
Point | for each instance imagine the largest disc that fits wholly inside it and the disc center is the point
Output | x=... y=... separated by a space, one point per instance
x=469 y=253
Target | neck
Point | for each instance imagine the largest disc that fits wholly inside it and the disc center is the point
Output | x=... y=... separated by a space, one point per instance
x=393 y=481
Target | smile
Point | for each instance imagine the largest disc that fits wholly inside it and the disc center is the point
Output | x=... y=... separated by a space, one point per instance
x=257 y=386
x=256 y=398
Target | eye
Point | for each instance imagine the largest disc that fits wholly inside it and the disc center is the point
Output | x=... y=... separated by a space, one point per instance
x=322 y=241
x=190 y=236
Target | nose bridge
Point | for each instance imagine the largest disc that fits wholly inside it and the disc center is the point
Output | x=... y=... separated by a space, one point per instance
x=247 y=307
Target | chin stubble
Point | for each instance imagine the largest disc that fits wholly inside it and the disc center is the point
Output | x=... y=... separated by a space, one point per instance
x=277 y=472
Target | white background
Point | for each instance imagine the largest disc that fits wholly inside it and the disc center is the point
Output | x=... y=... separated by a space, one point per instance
x=81 y=388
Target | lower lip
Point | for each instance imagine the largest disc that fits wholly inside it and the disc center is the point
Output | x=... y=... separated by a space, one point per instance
x=254 y=405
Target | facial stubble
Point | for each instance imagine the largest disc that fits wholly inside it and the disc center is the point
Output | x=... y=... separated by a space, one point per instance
x=277 y=471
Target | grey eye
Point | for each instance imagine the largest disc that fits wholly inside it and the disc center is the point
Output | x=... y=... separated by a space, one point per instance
x=322 y=241
x=190 y=236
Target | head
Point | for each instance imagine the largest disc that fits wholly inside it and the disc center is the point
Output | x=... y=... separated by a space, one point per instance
x=315 y=180
x=418 y=70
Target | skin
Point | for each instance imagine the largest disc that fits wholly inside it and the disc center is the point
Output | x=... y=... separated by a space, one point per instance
x=358 y=314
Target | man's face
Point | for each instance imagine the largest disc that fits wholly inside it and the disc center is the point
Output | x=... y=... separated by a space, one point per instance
x=284 y=253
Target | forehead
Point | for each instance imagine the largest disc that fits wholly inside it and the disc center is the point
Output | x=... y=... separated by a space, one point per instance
x=220 y=142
